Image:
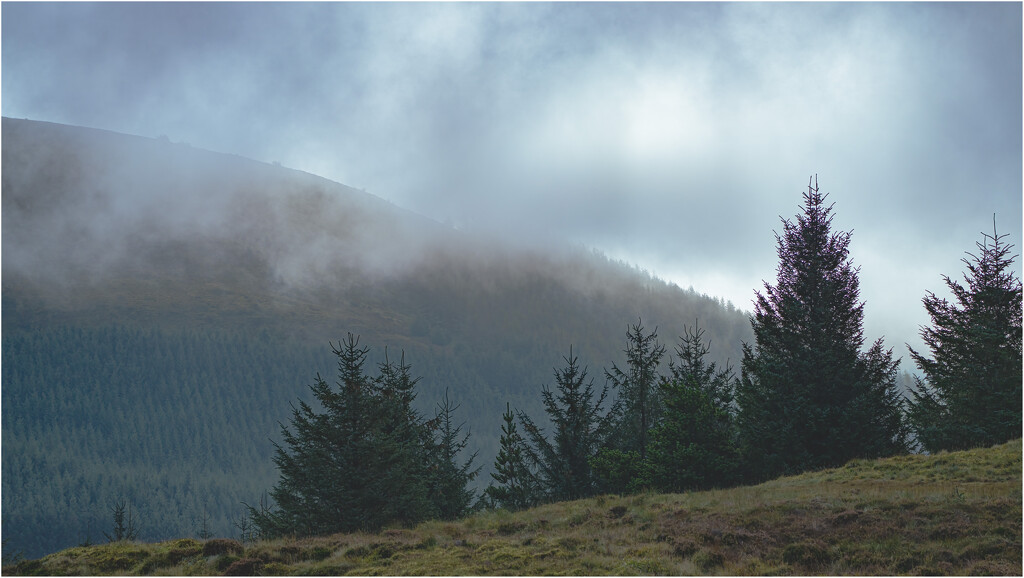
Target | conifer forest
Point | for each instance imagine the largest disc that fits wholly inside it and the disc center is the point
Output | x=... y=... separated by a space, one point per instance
x=210 y=398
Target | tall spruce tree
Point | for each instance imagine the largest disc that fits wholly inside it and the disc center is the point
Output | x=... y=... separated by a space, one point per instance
x=808 y=397
x=358 y=464
x=580 y=428
x=516 y=487
x=971 y=394
x=695 y=446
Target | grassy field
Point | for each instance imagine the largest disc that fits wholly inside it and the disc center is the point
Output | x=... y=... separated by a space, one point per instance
x=948 y=514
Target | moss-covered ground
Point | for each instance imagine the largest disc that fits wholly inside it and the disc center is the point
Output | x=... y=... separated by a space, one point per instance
x=954 y=513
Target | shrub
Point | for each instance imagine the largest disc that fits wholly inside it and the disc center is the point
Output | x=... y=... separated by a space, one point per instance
x=807 y=553
x=225 y=562
x=115 y=557
x=705 y=560
x=29 y=568
x=219 y=546
x=244 y=567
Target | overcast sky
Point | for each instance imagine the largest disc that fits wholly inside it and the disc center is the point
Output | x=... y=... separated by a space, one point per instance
x=672 y=136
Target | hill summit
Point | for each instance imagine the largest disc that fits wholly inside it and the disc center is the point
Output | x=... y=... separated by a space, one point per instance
x=163 y=306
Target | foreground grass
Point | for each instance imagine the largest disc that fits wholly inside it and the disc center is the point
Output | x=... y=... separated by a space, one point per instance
x=954 y=513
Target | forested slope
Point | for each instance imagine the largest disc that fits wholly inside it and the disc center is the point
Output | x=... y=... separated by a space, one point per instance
x=162 y=306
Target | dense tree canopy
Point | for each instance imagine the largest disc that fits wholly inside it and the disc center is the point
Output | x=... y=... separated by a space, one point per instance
x=694 y=446
x=809 y=398
x=367 y=459
x=971 y=392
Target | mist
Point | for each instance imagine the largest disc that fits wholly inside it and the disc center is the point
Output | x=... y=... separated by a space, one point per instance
x=84 y=208
x=670 y=136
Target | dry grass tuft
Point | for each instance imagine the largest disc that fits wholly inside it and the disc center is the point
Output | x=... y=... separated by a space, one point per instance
x=950 y=514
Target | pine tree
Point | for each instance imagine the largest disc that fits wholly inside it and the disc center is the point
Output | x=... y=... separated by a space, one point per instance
x=124 y=523
x=971 y=394
x=636 y=412
x=563 y=463
x=516 y=487
x=356 y=465
x=451 y=493
x=403 y=491
x=808 y=397
x=638 y=395
x=695 y=446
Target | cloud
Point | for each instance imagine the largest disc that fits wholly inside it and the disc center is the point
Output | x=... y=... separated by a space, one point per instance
x=672 y=135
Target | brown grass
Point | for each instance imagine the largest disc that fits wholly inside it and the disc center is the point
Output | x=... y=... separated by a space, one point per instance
x=949 y=514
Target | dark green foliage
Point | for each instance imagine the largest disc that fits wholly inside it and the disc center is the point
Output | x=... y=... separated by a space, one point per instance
x=808 y=397
x=76 y=398
x=618 y=471
x=449 y=480
x=404 y=445
x=971 y=392
x=358 y=464
x=516 y=487
x=168 y=420
x=580 y=429
x=160 y=378
x=694 y=447
x=124 y=523
x=695 y=370
x=638 y=406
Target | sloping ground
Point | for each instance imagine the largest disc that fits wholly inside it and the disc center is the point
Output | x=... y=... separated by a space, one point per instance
x=163 y=306
x=953 y=513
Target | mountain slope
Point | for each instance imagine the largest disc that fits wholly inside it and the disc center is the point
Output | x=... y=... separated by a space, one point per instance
x=163 y=306
x=949 y=514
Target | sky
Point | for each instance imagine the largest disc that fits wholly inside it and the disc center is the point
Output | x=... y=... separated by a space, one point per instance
x=673 y=136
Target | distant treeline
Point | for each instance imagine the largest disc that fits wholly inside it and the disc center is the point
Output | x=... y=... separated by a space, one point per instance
x=173 y=407
x=163 y=305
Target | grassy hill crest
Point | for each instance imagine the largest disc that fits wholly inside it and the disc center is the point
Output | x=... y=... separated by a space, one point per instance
x=955 y=513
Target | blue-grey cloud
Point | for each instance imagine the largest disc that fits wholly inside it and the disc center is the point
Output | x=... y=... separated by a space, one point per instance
x=672 y=135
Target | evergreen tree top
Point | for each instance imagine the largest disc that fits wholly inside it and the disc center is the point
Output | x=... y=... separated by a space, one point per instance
x=817 y=293
x=989 y=271
x=351 y=359
x=992 y=290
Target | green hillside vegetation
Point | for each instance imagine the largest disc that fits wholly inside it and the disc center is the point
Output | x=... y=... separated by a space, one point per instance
x=149 y=352
x=955 y=513
x=165 y=307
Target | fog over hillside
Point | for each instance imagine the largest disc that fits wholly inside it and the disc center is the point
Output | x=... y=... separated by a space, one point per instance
x=672 y=135
x=163 y=306
x=112 y=203
x=85 y=205
x=527 y=177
